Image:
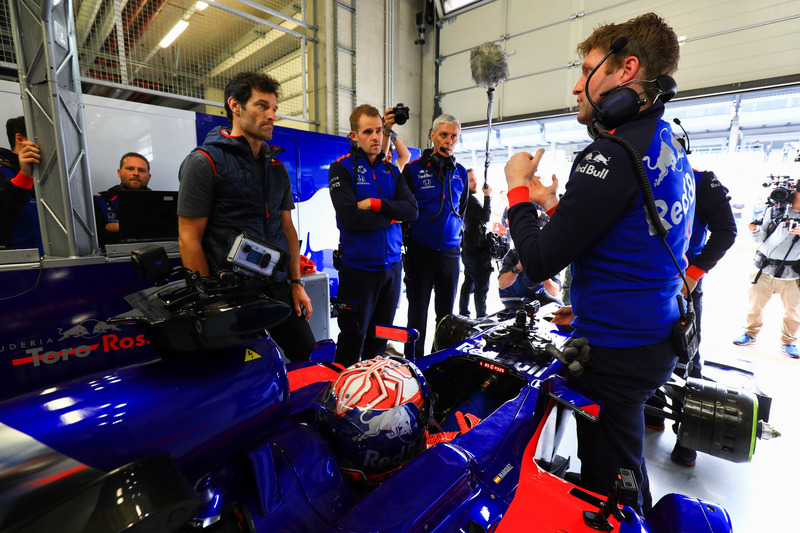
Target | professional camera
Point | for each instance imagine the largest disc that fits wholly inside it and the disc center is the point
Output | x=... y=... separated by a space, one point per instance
x=783 y=189
x=400 y=114
x=496 y=245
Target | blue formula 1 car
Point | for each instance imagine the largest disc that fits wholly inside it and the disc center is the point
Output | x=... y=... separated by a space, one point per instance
x=219 y=435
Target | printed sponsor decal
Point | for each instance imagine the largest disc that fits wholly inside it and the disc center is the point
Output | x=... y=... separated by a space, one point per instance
x=594 y=164
x=91 y=329
x=374 y=459
x=596 y=157
x=590 y=170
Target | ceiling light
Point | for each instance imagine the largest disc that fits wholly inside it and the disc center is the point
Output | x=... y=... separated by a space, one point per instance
x=174 y=33
x=200 y=5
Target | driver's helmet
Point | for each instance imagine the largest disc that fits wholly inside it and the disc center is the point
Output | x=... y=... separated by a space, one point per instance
x=375 y=415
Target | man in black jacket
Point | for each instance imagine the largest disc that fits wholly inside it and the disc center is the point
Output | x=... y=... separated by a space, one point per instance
x=234 y=183
x=474 y=249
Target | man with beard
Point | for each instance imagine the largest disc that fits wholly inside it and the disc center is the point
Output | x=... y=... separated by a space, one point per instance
x=234 y=183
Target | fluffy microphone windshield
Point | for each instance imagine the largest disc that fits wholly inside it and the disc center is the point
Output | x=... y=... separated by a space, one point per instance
x=488 y=64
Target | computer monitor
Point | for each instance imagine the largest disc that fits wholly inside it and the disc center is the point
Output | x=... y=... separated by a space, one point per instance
x=147 y=215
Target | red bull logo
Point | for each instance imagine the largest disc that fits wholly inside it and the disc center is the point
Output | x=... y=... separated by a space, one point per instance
x=82 y=330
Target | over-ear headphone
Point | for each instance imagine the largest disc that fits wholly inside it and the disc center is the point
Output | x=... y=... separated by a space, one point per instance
x=618 y=104
x=617 y=108
x=440 y=162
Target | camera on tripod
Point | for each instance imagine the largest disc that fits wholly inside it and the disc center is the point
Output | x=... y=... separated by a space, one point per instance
x=400 y=114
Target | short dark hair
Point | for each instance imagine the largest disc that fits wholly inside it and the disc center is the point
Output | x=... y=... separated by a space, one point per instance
x=241 y=88
x=650 y=39
x=14 y=126
x=134 y=154
x=363 y=109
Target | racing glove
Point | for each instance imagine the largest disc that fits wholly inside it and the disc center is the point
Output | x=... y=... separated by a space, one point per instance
x=574 y=354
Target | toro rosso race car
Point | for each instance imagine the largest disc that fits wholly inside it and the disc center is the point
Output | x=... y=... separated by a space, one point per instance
x=219 y=435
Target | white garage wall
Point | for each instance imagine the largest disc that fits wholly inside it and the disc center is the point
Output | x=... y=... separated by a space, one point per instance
x=726 y=43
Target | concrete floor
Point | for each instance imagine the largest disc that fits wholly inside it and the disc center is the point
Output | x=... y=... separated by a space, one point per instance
x=758 y=495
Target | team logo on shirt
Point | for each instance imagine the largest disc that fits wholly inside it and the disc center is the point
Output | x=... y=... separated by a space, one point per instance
x=361 y=178
x=669 y=156
x=426 y=179
x=594 y=164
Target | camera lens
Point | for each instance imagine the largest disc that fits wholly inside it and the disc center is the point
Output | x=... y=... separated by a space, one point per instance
x=779 y=195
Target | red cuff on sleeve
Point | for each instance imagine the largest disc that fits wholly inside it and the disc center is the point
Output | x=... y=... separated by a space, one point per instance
x=518 y=195
x=551 y=210
x=375 y=204
x=695 y=272
x=22 y=181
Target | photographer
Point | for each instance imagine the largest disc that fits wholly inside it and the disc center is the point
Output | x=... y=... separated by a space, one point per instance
x=391 y=141
x=475 y=250
x=778 y=262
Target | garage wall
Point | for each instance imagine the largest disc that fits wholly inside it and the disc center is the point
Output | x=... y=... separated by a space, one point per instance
x=726 y=44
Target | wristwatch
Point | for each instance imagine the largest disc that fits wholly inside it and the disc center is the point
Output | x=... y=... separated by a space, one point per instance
x=300 y=282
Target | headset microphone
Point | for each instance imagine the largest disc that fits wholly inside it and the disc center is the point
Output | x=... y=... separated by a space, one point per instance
x=685 y=139
x=617 y=107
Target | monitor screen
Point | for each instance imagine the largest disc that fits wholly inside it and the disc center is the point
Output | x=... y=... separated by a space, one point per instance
x=147 y=215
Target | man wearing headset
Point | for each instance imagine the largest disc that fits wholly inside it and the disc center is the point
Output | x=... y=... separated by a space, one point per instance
x=624 y=283
x=433 y=241
x=371 y=199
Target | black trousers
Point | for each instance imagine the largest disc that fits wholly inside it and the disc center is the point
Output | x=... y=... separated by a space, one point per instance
x=293 y=335
x=621 y=379
x=477 y=273
x=375 y=295
x=429 y=271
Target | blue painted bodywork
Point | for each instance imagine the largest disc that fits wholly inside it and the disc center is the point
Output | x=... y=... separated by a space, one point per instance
x=240 y=436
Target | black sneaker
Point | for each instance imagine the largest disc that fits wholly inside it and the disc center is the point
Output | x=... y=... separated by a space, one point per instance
x=683 y=455
x=653 y=422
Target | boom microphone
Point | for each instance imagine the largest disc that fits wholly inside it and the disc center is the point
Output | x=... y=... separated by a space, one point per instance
x=489 y=68
x=618 y=45
x=488 y=64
